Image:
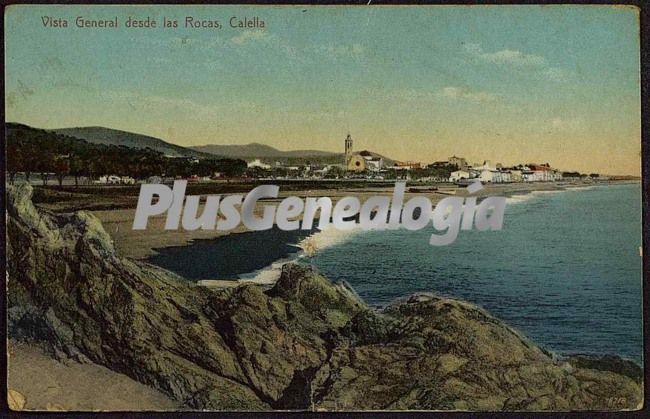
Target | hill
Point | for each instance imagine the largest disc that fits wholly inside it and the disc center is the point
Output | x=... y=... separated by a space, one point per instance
x=109 y=136
x=260 y=151
x=32 y=150
x=270 y=154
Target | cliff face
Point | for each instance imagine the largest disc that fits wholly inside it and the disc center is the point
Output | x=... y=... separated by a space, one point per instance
x=306 y=343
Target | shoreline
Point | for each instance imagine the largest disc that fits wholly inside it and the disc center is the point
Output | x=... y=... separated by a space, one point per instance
x=142 y=244
x=301 y=310
x=165 y=247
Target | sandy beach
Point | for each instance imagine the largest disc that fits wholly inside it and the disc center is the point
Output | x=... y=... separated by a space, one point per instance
x=140 y=244
x=43 y=383
x=115 y=207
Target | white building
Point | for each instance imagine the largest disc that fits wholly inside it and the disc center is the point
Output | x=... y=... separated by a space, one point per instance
x=459 y=174
x=495 y=176
x=541 y=173
x=486 y=176
x=515 y=176
x=487 y=165
x=257 y=163
x=374 y=164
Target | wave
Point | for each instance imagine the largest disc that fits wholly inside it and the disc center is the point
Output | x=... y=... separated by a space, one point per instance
x=580 y=188
x=519 y=198
x=267 y=275
x=314 y=243
x=328 y=237
x=323 y=239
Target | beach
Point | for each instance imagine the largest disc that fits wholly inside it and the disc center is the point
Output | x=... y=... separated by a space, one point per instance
x=247 y=251
x=170 y=316
x=140 y=244
x=243 y=248
x=44 y=383
x=549 y=229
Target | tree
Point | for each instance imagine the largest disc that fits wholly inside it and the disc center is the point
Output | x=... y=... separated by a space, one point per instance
x=571 y=174
x=61 y=168
x=33 y=150
x=45 y=165
x=76 y=168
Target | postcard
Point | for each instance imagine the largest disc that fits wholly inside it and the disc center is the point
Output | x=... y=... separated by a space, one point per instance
x=378 y=208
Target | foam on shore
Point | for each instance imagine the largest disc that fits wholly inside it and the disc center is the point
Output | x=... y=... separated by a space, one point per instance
x=526 y=196
x=318 y=241
x=329 y=237
x=267 y=275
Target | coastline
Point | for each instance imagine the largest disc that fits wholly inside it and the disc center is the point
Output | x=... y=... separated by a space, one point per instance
x=266 y=276
x=154 y=243
x=304 y=321
x=142 y=244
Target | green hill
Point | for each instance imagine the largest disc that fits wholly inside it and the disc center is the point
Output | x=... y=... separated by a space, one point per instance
x=109 y=136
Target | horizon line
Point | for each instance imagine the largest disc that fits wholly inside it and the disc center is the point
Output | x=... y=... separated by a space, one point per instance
x=194 y=148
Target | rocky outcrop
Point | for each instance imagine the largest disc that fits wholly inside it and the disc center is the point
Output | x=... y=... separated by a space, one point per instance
x=306 y=343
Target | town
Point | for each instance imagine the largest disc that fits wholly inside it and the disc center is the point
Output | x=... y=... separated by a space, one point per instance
x=370 y=166
x=39 y=156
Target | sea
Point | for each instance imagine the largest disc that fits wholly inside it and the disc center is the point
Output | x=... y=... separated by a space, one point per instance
x=565 y=270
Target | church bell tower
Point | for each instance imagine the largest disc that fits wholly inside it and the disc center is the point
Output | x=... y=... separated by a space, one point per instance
x=348 y=148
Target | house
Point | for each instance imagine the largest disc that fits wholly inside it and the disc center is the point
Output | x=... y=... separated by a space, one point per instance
x=374 y=164
x=497 y=175
x=487 y=165
x=487 y=173
x=544 y=173
x=458 y=175
x=459 y=162
x=528 y=175
x=487 y=176
x=515 y=175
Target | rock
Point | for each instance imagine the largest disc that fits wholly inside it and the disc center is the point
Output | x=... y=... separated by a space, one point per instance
x=15 y=400
x=607 y=363
x=304 y=344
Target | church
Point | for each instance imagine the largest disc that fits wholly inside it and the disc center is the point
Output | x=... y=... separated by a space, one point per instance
x=361 y=162
x=353 y=162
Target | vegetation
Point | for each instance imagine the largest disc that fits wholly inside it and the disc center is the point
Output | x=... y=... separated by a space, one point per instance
x=436 y=172
x=31 y=151
x=110 y=136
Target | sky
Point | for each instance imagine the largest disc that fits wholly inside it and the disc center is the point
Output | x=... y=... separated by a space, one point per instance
x=510 y=84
